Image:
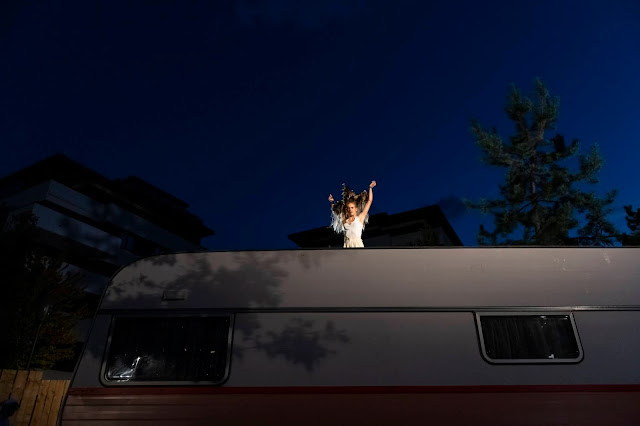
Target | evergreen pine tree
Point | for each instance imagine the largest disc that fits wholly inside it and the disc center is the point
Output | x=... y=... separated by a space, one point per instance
x=541 y=198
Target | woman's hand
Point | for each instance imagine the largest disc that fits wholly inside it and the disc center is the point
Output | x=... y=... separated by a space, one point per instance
x=372 y=184
x=331 y=198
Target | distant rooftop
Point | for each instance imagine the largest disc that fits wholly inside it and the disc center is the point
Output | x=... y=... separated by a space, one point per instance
x=381 y=224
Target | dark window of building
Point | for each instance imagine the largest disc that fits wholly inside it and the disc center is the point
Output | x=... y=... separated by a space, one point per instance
x=143 y=247
x=127 y=241
x=529 y=338
x=140 y=246
x=179 y=349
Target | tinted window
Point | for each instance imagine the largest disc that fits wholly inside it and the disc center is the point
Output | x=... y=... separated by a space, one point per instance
x=529 y=337
x=168 y=349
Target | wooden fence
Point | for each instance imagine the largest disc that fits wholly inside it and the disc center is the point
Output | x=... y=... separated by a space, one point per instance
x=40 y=400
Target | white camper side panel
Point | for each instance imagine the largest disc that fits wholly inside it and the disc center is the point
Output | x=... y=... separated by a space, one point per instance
x=416 y=349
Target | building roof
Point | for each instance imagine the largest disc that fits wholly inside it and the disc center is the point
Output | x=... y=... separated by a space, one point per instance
x=382 y=224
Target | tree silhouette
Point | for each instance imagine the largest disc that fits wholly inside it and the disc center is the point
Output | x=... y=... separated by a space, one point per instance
x=633 y=222
x=542 y=200
x=40 y=302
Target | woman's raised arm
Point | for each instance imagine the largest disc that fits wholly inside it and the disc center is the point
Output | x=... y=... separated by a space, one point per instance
x=365 y=210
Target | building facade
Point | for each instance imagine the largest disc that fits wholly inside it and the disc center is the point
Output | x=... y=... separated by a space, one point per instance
x=98 y=224
x=101 y=223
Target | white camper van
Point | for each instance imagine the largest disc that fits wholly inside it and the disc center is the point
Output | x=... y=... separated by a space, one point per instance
x=415 y=336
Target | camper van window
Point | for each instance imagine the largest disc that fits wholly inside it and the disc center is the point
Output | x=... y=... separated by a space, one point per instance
x=180 y=349
x=528 y=338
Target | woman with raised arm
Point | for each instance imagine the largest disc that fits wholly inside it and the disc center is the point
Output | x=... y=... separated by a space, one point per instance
x=351 y=214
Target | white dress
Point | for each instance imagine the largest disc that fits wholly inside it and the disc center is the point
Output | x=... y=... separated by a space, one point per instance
x=353 y=234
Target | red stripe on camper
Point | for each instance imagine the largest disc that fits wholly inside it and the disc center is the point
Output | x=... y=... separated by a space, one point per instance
x=160 y=390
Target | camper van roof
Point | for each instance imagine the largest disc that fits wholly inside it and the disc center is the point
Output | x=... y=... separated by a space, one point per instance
x=392 y=278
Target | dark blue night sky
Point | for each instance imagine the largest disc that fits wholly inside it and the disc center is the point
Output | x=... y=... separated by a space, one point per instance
x=254 y=111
